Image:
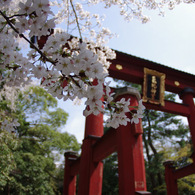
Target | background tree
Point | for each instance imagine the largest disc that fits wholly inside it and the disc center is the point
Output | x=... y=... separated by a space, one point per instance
x=110 y=175
x=39 y=145
x=8 y=144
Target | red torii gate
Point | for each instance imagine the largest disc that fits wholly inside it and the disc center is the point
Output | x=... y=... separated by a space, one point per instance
x=127 y=140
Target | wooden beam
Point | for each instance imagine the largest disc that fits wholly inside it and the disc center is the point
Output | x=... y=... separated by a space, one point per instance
x=105 y=146
x=184 y=171
x=132 y=70
x=170 y=107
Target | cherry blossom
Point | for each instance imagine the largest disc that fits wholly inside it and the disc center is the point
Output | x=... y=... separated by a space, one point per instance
x=141 y=107
x=72 y=62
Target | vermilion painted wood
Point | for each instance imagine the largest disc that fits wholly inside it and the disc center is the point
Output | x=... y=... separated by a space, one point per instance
x=88 y=164
x=184 y=171
x=170 y=107
x=69 y=187
x=187 y=97
x=138 y=156
x=105 y=146
x=93 y=151
x=133 y=71
x=84 y=170
x=125 y=160
x=130 y=156
x=95 y=187
x=139 y=166
x=171 y=175
x=90 y=172
x=170 y=180
x=94 y=125
x=75 y=167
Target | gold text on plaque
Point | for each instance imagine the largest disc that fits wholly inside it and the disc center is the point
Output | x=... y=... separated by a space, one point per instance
x=154 y=86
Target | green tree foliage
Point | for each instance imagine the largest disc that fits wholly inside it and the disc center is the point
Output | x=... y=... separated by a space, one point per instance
x=28 y=164
x=110 y=175
x=7 y=144
x=164 y=137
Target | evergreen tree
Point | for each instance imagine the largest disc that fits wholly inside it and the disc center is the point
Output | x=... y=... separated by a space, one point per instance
x=110 y=175
x=39 y=144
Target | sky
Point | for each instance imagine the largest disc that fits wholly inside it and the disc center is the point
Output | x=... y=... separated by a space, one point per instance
x=168 y=40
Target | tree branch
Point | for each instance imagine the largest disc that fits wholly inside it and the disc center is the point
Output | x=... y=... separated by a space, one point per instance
x=15 y=15
x=152 y=147
x=149 y=134
x=77 y=21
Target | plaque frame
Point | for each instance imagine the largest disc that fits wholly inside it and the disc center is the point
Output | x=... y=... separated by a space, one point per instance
x=154 y=87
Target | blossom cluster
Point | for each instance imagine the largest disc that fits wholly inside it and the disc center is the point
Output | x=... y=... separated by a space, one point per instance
x=33 y=16
x=16 y=66
x=131 y=9
x=119 y=116
x=68 y=67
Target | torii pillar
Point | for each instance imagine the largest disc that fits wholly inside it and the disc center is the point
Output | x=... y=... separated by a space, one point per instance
x=172 y=174
x=131 y=166
x=187 y=96
x=69 y=185
x=90 y=172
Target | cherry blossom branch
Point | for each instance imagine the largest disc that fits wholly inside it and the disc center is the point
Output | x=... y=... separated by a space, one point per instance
x=76 y=17
x=15 y=15
x=68 y=21
x=26 y=39
x=76 y=83
x=73 y=64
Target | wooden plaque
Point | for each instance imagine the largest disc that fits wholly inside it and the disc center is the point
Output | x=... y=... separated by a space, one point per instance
x=154 y=87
